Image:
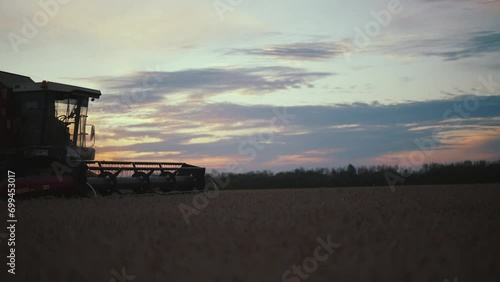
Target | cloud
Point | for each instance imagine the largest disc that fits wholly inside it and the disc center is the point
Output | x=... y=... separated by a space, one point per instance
x=218 y=134
x=481 y=2
x=465 y=5
x=305 y=51
x=451 y=48
x=457 y=144
x=151 y=87
x=478 y=44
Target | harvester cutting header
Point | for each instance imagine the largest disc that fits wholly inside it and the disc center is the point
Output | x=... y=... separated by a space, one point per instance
x=46 y=140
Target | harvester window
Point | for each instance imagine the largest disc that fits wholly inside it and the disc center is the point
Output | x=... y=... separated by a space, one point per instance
x=73 y=113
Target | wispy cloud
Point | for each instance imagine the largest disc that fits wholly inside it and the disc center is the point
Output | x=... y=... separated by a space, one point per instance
x=154 y=87
x=306 y=51
x=452 y=47
x=476 y=45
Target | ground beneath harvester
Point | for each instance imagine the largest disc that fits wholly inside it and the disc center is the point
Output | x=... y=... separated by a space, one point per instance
x=417 y=233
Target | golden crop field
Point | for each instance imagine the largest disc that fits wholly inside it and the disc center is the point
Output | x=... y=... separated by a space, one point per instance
x=417 y=233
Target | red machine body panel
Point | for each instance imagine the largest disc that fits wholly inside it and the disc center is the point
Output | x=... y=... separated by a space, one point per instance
x=36 y=185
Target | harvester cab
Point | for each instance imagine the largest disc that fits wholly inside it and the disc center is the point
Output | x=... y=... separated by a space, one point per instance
x=43 y=122
x=46 y=141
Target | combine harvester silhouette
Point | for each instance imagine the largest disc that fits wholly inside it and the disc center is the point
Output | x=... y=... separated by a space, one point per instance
x=45 y=142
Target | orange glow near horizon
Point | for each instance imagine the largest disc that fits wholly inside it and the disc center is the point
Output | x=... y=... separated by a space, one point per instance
x=465 y=145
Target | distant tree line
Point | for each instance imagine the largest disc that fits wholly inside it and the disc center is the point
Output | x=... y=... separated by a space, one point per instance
x=467 y=172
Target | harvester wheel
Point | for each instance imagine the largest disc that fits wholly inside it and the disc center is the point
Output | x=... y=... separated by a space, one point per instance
x=143 y=188
x=85 y=190
x=90 y=191
x=171 y=185
x=110 y=189
x=198 y=186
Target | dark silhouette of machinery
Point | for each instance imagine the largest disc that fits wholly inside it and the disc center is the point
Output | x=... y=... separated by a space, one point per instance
x=46 y=140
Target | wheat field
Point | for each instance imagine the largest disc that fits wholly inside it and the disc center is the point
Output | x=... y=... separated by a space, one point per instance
x=417 y=233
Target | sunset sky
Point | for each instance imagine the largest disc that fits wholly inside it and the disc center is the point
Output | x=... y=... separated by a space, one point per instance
x=272 y=84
